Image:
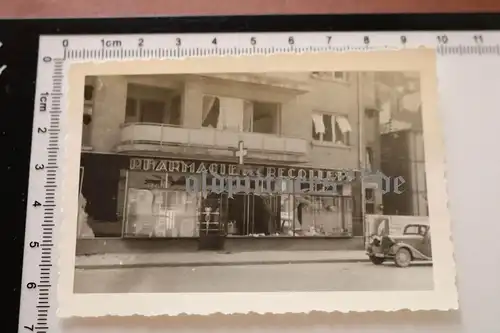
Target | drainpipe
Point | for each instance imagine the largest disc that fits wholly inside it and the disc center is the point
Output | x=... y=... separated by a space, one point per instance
x=415 y=171
x=361 y=148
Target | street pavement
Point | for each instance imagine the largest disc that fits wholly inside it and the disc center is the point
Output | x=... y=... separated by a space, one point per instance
x=340 y=276
x=212 y=258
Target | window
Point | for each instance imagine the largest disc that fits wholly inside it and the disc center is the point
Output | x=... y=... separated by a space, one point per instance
x=369 y=158
x=265 y=118
x=413 y=229
x=151 y=111
x=370 y=208
x=211 y=111
x=120 y=199
x=131 y=108
x=287 y=210
x=369 y=201
x=157 y=205
x=340 y=76
x=88 y=93
x=329 y=188
x=323 y=215
x=331 y=76
x=236 y=114
x=327 y=127
x=369 y=194
x=88 y=107
x=174 y=116
x=152 y=105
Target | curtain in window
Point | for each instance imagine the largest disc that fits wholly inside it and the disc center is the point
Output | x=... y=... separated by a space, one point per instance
x=368 y=161
x=344 y=125
x=334 y=133
x=231 y=110
x=247 y=116
x=319 y=126
x=208 y=102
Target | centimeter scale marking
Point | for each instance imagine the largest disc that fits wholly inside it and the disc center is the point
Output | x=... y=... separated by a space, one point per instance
x=42 y=197
x=161 y=53
x=38 y=302
x=158 y=46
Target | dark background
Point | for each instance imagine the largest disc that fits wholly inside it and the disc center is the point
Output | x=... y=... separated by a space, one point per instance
x=117 y=8
x=20 y=51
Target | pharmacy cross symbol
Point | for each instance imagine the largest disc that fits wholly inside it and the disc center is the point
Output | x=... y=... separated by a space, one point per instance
x=241 y=153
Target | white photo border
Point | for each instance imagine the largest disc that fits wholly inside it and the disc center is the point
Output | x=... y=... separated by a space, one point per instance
x=444 y=297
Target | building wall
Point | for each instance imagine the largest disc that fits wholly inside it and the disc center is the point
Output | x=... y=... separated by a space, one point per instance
x=400 y=121
x=418 y=183
x=339 y=98
x=110 y=98
x=192 y=104
x=403 y=155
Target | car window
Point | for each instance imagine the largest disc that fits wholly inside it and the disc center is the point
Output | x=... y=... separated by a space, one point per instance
x=411 y=229
x=422 y=230
x=415 y=230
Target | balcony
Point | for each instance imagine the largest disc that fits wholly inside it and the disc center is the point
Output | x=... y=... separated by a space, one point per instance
x=209 y=142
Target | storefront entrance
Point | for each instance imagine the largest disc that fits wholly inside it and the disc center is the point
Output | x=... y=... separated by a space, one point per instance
x=253 y=215
x=239 y=215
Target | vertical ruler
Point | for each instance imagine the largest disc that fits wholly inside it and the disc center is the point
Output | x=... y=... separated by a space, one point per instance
x=37 y=283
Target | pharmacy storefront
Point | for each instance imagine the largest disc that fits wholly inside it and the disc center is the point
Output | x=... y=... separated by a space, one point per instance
x=126 y=196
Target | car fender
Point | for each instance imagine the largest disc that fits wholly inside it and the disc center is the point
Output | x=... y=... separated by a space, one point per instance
x=416 y=254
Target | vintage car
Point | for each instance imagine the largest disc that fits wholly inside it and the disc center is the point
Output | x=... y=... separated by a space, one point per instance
x=414 y=244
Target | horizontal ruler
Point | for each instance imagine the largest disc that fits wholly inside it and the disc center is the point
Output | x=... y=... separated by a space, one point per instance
x=195 y=45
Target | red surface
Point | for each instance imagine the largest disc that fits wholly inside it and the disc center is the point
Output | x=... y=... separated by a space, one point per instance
x=120 y=8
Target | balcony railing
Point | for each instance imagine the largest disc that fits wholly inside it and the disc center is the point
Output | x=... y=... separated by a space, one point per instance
x=165 y=135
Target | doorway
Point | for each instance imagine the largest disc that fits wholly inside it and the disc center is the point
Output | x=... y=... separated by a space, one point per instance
x=250 y=214
x=241 y=214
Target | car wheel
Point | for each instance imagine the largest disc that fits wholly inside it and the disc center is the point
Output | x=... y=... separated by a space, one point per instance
x=402 y=258
x=377 y=260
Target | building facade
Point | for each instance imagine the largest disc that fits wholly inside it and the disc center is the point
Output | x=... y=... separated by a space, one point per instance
x=143 y=137
x=402 y=147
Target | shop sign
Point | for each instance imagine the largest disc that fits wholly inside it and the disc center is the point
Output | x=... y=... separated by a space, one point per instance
x=228 y=169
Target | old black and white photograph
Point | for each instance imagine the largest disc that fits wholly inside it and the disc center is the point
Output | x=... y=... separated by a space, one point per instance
x=253 y=182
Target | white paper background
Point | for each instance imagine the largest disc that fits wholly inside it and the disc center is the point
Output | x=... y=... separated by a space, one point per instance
x=470 y=104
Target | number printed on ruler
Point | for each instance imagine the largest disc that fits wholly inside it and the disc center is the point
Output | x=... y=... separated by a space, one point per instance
x=41 y=213
x=192 y=45
x=57 y=52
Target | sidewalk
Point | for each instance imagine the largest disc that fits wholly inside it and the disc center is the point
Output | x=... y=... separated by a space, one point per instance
x=196 y=259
